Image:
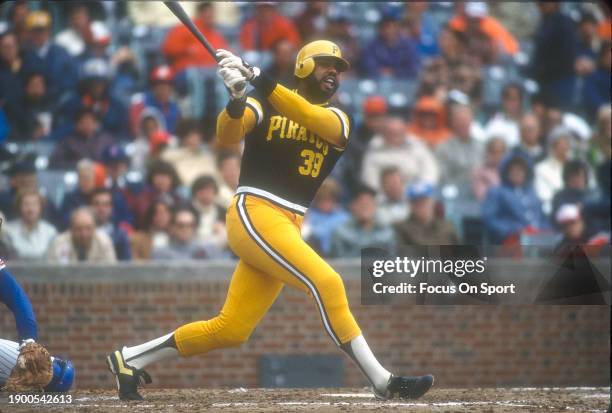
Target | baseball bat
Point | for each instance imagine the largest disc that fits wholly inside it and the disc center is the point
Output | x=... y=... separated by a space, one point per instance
x=179 y=12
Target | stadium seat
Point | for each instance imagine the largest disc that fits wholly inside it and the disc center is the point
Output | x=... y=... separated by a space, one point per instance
x=206 y=94
x=53 y=182
x=42 y=148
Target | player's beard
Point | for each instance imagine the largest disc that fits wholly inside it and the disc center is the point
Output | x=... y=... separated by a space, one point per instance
x=314 y=89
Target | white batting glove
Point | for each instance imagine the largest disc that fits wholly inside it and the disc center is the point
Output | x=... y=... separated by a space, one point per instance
x=234 y=81
x=229 y=60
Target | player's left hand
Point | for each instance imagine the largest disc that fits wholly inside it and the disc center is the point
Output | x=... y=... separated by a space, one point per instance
x=33 y=370
x=229 y=60
x=234 y=81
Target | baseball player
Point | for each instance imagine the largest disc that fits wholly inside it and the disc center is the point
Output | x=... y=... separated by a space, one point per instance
x=36 y=370
x=293 y=139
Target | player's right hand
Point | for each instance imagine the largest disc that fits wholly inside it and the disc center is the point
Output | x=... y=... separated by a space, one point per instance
x=234 y=81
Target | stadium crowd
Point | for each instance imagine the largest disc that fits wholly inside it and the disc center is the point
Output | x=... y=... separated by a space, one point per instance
x=472 y=122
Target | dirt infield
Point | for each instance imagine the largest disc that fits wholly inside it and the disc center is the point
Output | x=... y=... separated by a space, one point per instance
x=583 y=400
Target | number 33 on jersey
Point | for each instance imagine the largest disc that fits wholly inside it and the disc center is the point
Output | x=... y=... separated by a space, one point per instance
x=283 y=157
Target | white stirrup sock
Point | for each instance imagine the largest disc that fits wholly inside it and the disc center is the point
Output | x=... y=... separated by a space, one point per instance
x=360 y=352
x=143 y=354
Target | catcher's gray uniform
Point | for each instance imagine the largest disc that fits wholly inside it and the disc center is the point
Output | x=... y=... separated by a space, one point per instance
x=9 y=351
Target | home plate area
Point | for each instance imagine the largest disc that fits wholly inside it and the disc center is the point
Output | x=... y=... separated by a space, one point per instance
x=577 y=399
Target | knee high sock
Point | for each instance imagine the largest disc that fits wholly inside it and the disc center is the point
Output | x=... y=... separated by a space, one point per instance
x=165 y=347
x=361 y=354
x=157 y=349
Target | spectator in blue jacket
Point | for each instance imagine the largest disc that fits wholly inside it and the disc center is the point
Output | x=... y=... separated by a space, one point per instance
x=93 y=93
x=158 y=97
x=552 y=63
x=324 y=216
x=597 y=85
x=390 y=53
x=597 y=209
x=13 y=71
x=102 y=207
x=48 y=57
x=513 y=207
x=34 y=119
x=423 y=27
x=117 y=162
x=4 y=127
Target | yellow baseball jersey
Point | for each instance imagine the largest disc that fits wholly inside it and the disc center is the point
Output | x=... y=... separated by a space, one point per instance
x=285 y=157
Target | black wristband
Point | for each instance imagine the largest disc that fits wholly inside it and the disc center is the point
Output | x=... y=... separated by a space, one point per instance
x=264 y=84
x=235 y=107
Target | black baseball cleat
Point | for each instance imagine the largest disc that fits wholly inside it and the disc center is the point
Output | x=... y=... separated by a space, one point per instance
x=128 y=378
x=406 y=387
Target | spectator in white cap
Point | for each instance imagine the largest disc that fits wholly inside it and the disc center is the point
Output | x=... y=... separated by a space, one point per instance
x=122 y=61
x=476 y=9
x=97 y=43
x=94 y=93
x=569 y=219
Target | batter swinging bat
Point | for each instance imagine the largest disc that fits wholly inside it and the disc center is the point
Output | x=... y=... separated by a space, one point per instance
x=179 y=12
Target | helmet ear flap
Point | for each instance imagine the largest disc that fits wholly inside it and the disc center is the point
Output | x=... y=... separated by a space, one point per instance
x=304 y=68
x=63 y=376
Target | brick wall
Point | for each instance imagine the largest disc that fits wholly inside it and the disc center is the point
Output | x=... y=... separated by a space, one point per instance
x=86 y=312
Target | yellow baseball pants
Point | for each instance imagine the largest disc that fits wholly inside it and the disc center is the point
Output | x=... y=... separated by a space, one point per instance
x=272 y=253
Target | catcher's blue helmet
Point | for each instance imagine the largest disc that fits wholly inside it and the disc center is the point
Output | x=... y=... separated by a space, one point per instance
x=63 y=376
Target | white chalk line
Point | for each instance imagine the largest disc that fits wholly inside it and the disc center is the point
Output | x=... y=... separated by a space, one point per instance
x=376 y=404
x=513 y=403
x=95 y=398
x=355 y=395
x=551 y=388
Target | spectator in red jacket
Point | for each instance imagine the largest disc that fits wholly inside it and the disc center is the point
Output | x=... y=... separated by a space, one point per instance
x=266 y=28
x=183 y=50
